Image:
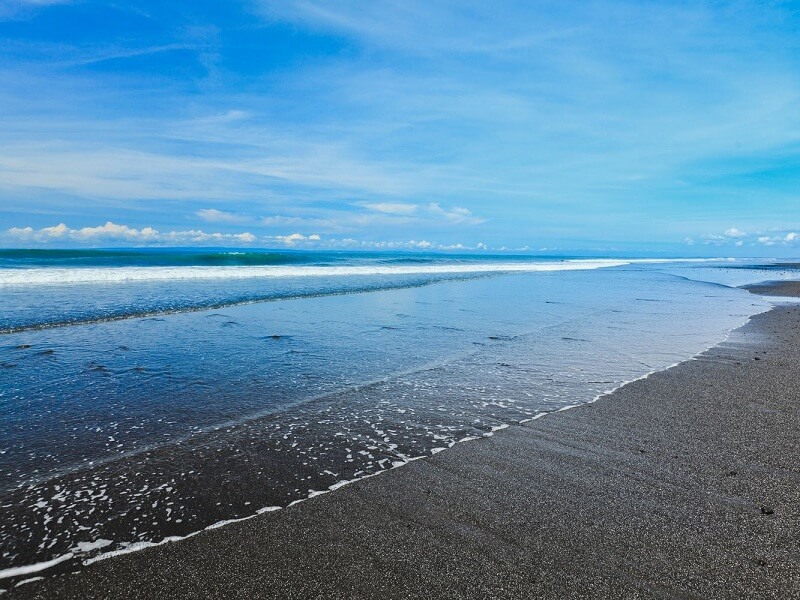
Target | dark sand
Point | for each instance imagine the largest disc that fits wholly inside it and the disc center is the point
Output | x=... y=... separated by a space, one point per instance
x=776 y=288
x=682 y=485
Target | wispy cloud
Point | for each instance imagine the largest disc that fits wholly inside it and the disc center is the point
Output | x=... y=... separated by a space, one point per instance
x=99 y=56
x=212 y=215
x=432 y=210
x=129 y=174
x=425 y=27
x=374 y=215
x=554 y=125
x=455 y=214
x=17 y=9
x=391 y=208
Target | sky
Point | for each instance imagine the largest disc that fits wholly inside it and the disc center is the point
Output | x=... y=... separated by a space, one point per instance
x=598 y=127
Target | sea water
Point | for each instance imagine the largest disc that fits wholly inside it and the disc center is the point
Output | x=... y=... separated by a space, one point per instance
x=152 y=394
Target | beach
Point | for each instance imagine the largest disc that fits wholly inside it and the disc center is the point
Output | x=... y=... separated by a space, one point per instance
x=399 y=300
x=680 y=485
x=126 y=426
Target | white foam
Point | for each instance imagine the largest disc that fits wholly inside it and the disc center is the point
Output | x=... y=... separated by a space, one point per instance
x=267 y=509
x=34 y=568
x=136 y=546
x=61 y=275
x=219 y=524
x=95 y=545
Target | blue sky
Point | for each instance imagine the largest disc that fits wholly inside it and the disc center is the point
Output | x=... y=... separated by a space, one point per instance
x=669 y=127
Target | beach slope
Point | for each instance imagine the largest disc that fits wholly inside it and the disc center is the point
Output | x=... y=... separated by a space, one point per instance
x=682 y=485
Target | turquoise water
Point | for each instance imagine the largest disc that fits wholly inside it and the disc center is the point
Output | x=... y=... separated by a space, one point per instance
x=46 y=288
x=152 y=394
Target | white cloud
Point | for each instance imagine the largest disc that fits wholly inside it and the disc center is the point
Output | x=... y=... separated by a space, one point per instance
x=400 y=245
x=455 y=214
x=735 y=233
x=298 y=240
x=21 y=232
x=290 y=240
x=108 y=231
x=775 y=238
x=58 y=231
x=114 y=233
x=738 y=238
x=212 y=215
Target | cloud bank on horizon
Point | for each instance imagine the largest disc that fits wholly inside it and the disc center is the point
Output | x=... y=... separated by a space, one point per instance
x=609 y=125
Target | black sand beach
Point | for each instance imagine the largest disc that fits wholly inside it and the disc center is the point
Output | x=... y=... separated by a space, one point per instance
x=776 y=288
x=682 y=485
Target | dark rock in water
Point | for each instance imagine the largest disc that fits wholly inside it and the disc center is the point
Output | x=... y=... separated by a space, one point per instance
x=22 y=347
x=756 y=358
x=767 y=510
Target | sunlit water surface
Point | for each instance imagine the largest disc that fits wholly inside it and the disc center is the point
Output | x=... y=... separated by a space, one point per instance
x=130 y=430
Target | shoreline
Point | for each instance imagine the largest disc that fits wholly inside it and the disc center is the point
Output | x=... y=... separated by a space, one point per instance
x=403 y=485
x=486 y=378
x=76 y=558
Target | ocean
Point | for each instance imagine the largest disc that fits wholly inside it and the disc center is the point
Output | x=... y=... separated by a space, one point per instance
x=146 y=395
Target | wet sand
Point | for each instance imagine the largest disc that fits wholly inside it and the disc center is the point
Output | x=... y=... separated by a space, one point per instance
x=682 y=485
x=776 y=288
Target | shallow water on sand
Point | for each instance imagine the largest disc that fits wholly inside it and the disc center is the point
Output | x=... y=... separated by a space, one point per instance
x=137 y=429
